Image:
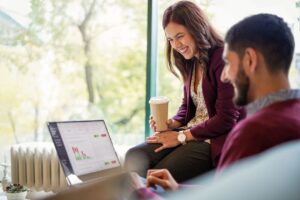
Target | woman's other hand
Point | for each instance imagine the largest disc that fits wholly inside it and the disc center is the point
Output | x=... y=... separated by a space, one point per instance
x=171 y=123
x=152 y=124
x=168 y=139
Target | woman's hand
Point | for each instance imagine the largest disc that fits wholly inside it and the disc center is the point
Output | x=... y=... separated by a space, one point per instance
x=163 y=178
x=152 y=124
x=168 y=139
x=171 y=123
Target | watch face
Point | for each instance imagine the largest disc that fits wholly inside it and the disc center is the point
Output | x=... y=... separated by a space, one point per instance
x=181 y=137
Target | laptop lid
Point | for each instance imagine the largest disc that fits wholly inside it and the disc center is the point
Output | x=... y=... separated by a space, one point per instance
x=84 y=149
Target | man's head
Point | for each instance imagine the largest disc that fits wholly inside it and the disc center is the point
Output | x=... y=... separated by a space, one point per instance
x=258 y=47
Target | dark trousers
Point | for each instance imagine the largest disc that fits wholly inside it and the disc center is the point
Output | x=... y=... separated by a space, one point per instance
x=184 y=161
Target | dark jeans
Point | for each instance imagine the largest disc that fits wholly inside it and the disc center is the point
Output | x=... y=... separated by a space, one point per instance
x=184 y=161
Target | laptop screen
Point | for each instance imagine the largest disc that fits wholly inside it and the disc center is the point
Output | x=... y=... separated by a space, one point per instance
x=83 y=147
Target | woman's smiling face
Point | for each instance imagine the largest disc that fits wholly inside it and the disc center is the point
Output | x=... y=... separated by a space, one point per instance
x=181 y=40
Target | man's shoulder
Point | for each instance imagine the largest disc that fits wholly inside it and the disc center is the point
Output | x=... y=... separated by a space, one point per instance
x=249 y=127
x=266 y=120
x=249 y=122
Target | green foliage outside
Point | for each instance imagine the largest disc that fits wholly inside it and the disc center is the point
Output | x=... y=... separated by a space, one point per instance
x=77 y=59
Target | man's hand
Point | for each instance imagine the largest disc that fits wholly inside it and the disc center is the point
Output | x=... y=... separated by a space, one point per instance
x=163 y=178
x=168 y=139
x=136 y=182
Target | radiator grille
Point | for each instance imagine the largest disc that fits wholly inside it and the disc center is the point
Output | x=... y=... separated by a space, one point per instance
x=36 y=166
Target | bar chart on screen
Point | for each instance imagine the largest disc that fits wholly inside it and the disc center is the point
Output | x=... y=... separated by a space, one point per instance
x=88 y=146
x=79 y=155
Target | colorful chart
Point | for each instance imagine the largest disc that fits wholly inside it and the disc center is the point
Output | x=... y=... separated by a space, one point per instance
x=79 y=155
x=88 y=146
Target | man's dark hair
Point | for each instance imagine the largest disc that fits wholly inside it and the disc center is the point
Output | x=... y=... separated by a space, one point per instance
x=269 y=35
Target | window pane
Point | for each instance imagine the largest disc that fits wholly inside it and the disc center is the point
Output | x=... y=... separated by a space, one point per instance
x=72 y=60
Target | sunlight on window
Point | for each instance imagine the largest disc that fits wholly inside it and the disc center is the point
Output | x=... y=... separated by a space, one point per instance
x=72 y=60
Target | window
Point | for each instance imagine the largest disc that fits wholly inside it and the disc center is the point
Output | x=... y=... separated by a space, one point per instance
x=72 y=60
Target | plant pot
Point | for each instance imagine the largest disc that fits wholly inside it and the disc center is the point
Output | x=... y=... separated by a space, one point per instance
x=16 y=196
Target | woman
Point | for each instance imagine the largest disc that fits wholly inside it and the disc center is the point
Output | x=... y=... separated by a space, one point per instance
x=206 y=114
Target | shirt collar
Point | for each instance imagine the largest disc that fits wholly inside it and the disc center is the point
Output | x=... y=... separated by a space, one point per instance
x=282 y=95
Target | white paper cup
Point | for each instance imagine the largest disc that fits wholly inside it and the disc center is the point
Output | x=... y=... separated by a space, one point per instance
x=159 y=112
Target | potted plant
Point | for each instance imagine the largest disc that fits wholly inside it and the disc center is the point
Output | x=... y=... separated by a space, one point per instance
x=16 y=192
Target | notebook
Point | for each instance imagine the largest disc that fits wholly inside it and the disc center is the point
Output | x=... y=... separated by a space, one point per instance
x=85 y=150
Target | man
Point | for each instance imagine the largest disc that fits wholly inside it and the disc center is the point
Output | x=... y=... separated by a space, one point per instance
x=258 y=53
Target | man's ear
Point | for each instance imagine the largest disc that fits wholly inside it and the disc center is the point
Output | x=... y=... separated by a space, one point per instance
x=250 y=61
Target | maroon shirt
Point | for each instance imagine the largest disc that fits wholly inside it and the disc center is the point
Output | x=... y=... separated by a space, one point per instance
x=223 y=114
x=270 y=126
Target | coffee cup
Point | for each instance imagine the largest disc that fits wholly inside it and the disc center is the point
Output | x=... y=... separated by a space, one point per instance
x=159 y=112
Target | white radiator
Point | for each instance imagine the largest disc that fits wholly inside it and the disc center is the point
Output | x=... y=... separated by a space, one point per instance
x=36 y=166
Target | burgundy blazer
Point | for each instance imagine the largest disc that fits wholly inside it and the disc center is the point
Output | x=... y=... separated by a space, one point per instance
x=223 y=114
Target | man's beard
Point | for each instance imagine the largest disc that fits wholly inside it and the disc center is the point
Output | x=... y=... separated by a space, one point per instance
x=241 y=84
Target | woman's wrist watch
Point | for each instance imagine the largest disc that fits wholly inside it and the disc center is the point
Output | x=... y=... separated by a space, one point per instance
x=181 y=137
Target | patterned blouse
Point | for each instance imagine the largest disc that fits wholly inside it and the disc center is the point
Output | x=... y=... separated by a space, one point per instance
x=201 y=114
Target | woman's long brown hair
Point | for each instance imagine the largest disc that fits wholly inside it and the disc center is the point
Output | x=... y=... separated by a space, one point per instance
x=189 y=15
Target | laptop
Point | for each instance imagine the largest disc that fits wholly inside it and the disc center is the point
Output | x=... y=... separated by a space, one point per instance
x=85 y=150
